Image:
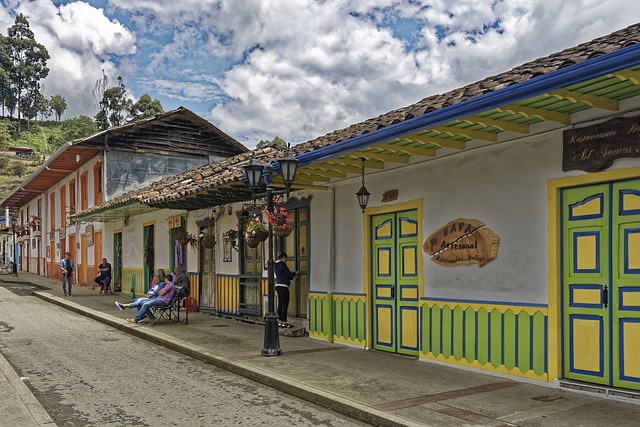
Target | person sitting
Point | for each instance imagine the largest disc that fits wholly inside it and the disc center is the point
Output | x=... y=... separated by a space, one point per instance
x=157 y=284
x=180 y=281
x=104 y=276
x=164 y=297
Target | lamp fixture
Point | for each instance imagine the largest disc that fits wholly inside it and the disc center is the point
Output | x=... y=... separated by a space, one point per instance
x=363 y=194
x=254 y=172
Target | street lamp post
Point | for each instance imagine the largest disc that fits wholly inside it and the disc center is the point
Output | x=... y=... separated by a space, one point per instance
x=254 y=172
x=13 y=223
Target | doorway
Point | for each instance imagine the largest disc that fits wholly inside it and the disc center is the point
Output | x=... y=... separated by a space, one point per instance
x=600 y=283
x=117 y=262
x=395 y=278
x=149 y=255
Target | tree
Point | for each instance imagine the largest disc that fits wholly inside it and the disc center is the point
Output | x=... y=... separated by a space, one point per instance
x=28 y=61
x=276 y=143
x=5 y=66
x=114 y=106
x=78 y=127
x=59 y=105
x=18 y=168
x=145 y=107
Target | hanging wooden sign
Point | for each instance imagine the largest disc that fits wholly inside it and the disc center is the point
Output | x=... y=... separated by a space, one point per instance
x=88 y=232
x=594 y=148
x=462 y=242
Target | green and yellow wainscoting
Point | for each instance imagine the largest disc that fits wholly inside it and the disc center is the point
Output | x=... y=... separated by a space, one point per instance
x=227 y=300
x=504 y=338
x=338 y=317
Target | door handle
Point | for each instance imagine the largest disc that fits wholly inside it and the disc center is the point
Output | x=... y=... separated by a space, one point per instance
x=393 y=292
x=605 y=296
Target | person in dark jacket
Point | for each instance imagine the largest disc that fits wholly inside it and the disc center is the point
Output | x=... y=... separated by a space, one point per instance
x=283 y=280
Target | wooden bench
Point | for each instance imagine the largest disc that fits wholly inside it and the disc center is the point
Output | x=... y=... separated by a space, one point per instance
x=171 y=310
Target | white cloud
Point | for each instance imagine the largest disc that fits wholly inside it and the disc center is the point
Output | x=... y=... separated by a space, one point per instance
x=299 y=69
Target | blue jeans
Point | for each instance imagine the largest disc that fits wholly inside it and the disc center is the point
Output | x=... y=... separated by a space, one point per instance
x=145 y=310
x=138 y=303
x=66 y=279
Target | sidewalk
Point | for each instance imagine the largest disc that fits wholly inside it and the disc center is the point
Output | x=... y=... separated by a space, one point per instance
x=374 y=387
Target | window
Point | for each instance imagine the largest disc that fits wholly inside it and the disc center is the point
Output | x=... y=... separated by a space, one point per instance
x=52 y=211
x=97 y=184
x=63 y=206
x=84 y=190
x=72 y=196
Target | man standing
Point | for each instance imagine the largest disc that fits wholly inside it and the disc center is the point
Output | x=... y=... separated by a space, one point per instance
x=66 y=268
x=104 y=276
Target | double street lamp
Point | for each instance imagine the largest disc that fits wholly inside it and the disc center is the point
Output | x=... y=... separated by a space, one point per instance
x=254 y=172
x=13 y=222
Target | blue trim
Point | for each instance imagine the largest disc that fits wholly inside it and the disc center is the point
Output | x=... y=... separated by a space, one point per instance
x=573 y=217
x=563 y=344
x=578 y=234
x=378 y=342
x=600 y=320
x=531 y=343
x=410 y=287
x=572 y=303
x=409 y=220
x=383 y=286
x=469 y=301
x=624 y=212
x=621 y=292
x=464 y=333
x=475 y=349
x=626 y=234
x=502 y=338
x=586 y=70
x=417 y=329
x=621 y=351
x=489 y=337
x=379 y=226
x=379 y=250
x=311 y=292
x=415 y=261
x=349 y=294
x=517 y=339
x=610 y=289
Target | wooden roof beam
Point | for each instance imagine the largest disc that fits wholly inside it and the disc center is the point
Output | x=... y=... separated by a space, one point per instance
x=591 y=100
x=469 y=133
x=391 y=158
x=633 y=76
x=331 y=172
x=552 y=116
x=412 y=150
x=500 y=124
x=440 y=142
x=355 y=162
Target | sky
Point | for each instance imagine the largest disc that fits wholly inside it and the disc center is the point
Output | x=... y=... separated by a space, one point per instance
x=298 y=69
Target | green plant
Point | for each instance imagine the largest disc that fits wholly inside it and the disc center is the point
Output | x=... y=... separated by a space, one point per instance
x=231 y=234
x=18 y=168
x=255 y=226
x=208 y=238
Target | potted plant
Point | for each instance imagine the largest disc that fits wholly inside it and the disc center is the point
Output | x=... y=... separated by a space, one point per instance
x=232 y=235
x=255 y=232
x=208 y=238
x=280 y=220
x=183 y=237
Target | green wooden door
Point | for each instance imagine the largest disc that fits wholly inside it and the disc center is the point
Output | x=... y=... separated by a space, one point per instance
x=149 y=255
x=601 y=284
x=394 y=290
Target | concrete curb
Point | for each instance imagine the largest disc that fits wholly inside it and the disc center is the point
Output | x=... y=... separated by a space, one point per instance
x=33 y=406
x=343 y=405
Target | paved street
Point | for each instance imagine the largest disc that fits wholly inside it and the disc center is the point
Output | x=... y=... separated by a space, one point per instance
x=374 y=387
x=86 y=373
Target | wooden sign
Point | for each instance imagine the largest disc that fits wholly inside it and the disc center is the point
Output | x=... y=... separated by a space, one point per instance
x=389 y=196
x=594 y=148
x=462 y=242
x=88 y=234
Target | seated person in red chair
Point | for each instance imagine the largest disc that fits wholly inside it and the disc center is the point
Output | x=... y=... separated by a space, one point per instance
x=104 y=276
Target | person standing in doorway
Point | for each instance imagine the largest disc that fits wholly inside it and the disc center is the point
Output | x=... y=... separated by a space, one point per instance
x=66 y=268
x=283 y=280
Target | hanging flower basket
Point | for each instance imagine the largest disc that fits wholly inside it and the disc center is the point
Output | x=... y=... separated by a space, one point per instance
x=254 y=240
x=284 y=230
x=208 y=239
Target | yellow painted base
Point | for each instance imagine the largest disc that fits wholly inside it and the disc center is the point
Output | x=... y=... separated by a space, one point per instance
x=515 y=372
x=357 y=343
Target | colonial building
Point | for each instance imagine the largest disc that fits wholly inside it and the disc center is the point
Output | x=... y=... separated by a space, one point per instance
x=502 y=231
x=91 y=171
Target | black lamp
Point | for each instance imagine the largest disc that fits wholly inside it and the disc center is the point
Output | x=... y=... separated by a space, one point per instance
x=363 y=194
x=254 y=171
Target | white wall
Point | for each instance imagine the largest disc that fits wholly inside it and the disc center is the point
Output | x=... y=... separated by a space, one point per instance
x=504 y=186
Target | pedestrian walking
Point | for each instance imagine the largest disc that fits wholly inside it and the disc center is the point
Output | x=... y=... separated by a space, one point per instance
x=66 y=268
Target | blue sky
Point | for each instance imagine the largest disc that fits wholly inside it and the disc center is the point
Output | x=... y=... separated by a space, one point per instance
x=298 y=68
